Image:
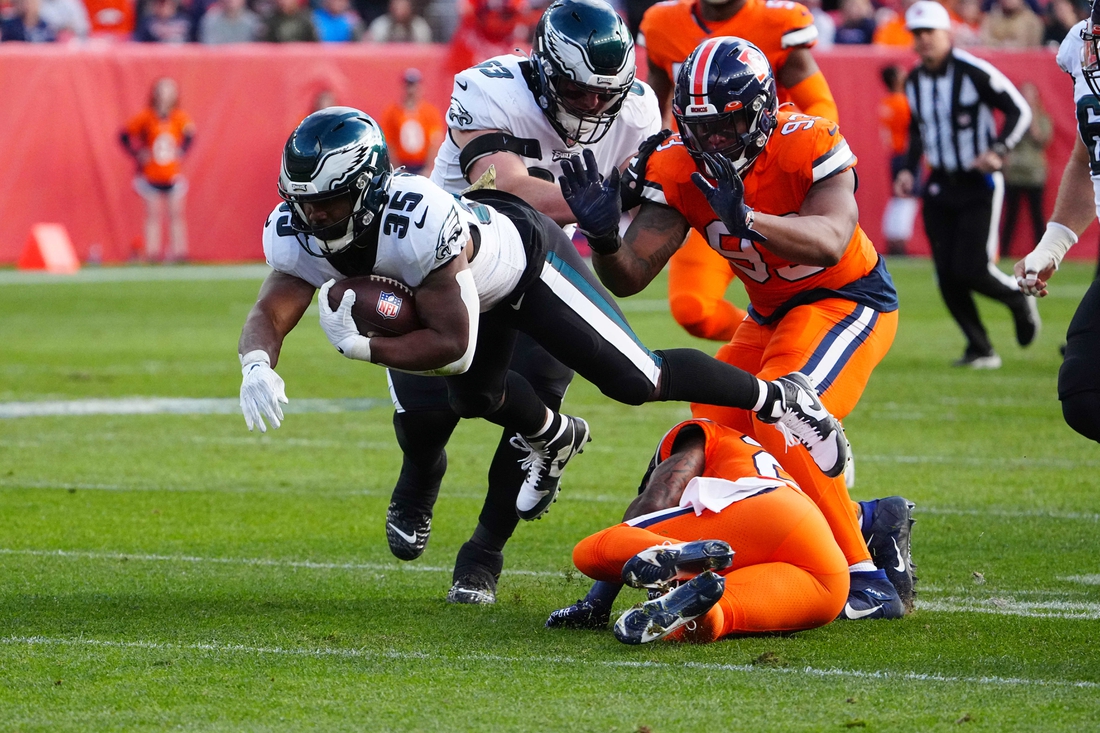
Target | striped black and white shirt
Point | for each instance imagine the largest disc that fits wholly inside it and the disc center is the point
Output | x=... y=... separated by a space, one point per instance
x=952 y=122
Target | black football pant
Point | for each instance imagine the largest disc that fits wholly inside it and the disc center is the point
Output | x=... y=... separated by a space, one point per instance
x=1079 y=377
x=960 y=215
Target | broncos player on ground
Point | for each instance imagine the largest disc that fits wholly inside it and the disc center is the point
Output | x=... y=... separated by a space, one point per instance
x=1078 y=203
x=522 y=116
x=821 y=299
x=484 y=267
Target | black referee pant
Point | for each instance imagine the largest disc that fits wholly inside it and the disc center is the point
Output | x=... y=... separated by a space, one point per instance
x=961 y=212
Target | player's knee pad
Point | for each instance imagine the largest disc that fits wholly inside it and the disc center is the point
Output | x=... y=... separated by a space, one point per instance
x=1082 y=413
x=474 y=404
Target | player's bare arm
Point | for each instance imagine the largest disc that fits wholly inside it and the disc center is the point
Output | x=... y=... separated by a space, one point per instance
x=279 y=306
x=445 y=337
x=512 y=176
x=799 y=67
x=820 y=232
x=282 y=300
x=670 y=478
x=661 y=84
x=652 y=238
x=1074 y=210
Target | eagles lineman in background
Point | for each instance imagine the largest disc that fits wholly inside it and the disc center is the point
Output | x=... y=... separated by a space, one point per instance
x=484 y=267
x=1078 y=203
x=521 y=116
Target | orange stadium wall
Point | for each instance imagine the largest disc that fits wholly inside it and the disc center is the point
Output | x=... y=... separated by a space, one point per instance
x=63 y=107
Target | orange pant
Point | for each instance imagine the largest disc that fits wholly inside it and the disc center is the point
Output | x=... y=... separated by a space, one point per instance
x=837 y=343
x=787 y=573
x=697 y=281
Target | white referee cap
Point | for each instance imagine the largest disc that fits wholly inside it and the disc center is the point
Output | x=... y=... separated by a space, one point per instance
x=927 y=14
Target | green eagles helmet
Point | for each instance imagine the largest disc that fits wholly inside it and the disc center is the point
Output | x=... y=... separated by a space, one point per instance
x=336 y=152
x=584 y=64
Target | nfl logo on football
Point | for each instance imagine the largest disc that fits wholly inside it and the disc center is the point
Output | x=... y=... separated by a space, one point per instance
x=389 y=305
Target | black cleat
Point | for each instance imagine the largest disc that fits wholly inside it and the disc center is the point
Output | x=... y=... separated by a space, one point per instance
x=888 y=539
x=657 y=619
x=1027 y=321
x=475 y=576
x=544 y=463
x=871 y=596
x=801 y=417
x=407 y=531
x=658 y=566
x=581 y=615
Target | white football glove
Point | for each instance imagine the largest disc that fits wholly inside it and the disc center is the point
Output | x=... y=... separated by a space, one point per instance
x=261 y=391
x=339 y=326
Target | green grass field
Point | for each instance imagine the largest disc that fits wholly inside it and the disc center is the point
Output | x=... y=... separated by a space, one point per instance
x=174 y=571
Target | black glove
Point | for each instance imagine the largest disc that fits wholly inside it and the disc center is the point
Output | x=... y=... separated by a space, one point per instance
x=594 y=201
x=728 y=197
x=630 y=192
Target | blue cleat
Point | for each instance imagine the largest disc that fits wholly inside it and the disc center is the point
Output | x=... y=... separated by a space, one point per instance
x=659 y=565
x=888 y=539
x=871 y=596
x=657 y=619
x=581 y=615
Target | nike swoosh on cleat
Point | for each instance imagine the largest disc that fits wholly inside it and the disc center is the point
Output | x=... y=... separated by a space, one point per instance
x=852 y=613
x=901 y=560
x=410 y=538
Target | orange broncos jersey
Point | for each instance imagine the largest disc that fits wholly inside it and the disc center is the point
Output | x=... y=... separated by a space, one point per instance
x=163 y=138
x=673 y=29
x=802 y=151
x=729 y=454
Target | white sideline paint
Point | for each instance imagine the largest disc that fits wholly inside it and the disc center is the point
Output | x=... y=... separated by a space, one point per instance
x=1002 y=606
x=172 y=406
x=260 y=561
x=138 y=274
x=1083 y=579
x=322 y=652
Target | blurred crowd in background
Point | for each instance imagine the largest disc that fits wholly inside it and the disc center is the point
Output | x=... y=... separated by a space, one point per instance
x=476 y=26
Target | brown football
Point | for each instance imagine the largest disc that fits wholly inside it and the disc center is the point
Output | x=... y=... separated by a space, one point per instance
x=383 y=306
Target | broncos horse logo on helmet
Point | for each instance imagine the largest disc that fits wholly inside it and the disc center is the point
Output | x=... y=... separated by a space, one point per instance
x=336 y=152
x=583 y=64
x=725 y=101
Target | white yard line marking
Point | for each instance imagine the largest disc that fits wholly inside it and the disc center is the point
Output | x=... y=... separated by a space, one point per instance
x=1010 y=513
x=260 y=561
x=173 y=406
x=138 y=274
x=1001 y=463
x=1068 y=610
x=368 y=654
x=1083 y=579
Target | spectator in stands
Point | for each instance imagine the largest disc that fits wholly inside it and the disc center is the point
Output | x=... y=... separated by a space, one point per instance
x=400 y=25
x=336 y=22
x=442 y=16
x=157 y=138
x=291 y=22
x=826 y=26
x=968 y=26
x=113 y=19
x=894 y=116
x=857 y=22
x=413 y=128
x=1060 y=17
x=26 y=24
x=67 y=18
x=1026 y=172
x=164 y=22
x=230 y=21
x=892 y=31
x=1011 y=24
x=489 y=28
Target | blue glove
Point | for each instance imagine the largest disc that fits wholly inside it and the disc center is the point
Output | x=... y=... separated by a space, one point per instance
x=728 y=197
x=593 y=199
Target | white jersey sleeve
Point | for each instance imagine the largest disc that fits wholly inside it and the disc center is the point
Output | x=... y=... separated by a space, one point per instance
x=284 y=254
x=1088 y=106
x=422 y=227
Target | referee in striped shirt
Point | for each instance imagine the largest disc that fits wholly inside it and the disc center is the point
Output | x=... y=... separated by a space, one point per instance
x=952 y=96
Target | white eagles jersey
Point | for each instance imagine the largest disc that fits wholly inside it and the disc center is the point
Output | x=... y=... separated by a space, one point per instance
x=494 y=96
x=1088 y=106
x=422 y=228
